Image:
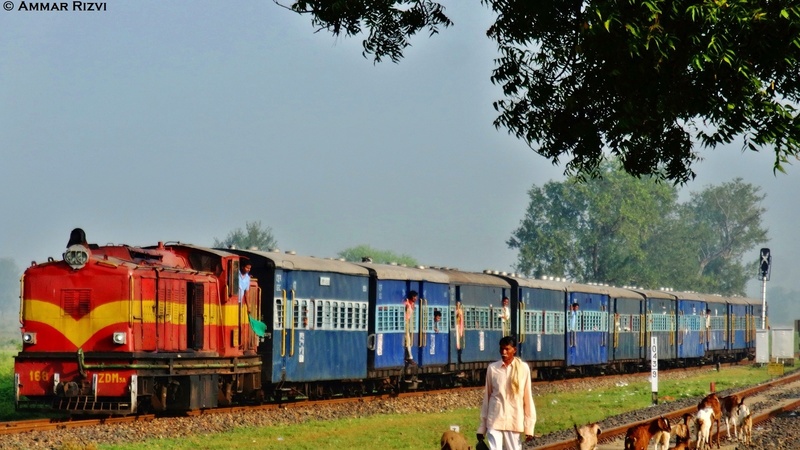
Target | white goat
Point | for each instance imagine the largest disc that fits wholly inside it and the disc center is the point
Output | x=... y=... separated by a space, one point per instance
x=704 y=417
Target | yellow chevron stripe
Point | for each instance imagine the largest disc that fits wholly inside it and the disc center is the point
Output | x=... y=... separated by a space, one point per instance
x=76 y=331
x=81 y=330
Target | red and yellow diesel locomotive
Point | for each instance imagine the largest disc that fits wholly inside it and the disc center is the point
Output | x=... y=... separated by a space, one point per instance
x=119 y=329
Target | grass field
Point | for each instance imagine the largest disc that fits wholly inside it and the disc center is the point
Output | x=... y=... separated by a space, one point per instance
x=556 y=411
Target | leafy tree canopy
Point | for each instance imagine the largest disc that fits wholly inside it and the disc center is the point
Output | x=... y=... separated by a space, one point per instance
x=623 y=230
x=640 y=80
x=592 y=231
x=359 y=252
x=726 y=225
x=254 y=236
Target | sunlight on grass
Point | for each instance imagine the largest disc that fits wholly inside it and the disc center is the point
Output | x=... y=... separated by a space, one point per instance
x=556 y=411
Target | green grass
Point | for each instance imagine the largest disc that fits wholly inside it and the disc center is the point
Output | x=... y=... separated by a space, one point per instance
x=556 y=411
x=7 y=353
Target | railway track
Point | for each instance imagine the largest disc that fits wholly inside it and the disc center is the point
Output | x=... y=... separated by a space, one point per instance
x=23 y=426
x=612 y=438
x=9 y=428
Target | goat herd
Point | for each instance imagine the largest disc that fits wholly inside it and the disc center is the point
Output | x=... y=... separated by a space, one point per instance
x=731 y=408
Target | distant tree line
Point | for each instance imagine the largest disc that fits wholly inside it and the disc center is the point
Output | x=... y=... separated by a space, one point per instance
x=628 y=231
x=254 y=236
x=368 y=253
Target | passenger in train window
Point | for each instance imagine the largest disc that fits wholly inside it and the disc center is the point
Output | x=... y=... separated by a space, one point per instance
x=505 y=317
x=408 y=341
x=437 y=320
x=244 y=279
x=459 y=329
x=573 y=324
x=507 y=411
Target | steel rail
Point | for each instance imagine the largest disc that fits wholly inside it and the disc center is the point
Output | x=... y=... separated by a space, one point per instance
x=615 y=433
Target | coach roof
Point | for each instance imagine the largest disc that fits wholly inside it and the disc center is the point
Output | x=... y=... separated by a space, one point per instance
x=395 y=272
x=475 y=278
x=291 y=261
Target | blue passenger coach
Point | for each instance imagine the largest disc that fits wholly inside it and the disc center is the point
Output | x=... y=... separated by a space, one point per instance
x=739 y=315
x=317 y=309
x=480 y=296
x=716 y=325
x=692 y=332
x=628 y=347
x=540 y=324
x=389 y=285
x=660 y=322
x=586 y=339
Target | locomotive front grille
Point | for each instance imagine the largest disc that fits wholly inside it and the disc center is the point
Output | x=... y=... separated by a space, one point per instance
x=89 y=405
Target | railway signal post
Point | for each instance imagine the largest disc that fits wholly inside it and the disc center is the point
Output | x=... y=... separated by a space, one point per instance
x=765 y=265
x=654 y=368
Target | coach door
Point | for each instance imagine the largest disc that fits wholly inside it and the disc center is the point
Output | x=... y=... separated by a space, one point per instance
x=194 y=312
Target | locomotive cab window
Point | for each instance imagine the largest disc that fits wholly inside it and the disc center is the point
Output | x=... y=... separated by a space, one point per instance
x=233 y=277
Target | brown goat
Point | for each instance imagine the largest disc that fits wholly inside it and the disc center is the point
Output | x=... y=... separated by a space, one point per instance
x=683 y=431
x=712 y=401
x=747 y=429
x=587 y=436
x=638 y=437
x=453 y=440
x=730 y=406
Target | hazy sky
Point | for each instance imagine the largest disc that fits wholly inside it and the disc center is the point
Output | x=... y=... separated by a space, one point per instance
x=182 y=120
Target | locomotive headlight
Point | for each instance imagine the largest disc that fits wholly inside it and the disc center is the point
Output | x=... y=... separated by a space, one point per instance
x=76 y=256
x=120 y=337
x=29 y=338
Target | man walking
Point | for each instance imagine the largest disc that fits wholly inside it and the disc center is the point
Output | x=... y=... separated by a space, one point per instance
x=507 y=411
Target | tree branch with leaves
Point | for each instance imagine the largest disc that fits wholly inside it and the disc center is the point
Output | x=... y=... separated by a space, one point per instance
x=641 y=81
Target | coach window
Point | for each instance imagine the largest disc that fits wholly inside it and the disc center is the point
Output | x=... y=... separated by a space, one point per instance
x=624 y=323
x=296 y=308
x=471 y=318
x=334 y=315
x=554 y=322
x=310 y=310
x=362 y=316
x=483 y=315
x=349 y=315
x=324 y=314
x=278 y=313
x=660 y=322
x=301 y=314
x=385 y=319
x=534 y=322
